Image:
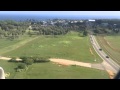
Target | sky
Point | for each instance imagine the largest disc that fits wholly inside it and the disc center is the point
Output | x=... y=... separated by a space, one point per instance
x=63 y=13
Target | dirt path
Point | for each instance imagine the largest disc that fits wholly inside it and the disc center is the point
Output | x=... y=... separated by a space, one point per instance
x=101 y=66
x=70 y=62
x=67 y=62
x=7 y=58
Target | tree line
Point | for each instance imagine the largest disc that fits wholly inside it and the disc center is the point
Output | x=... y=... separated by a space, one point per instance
x=107 y=26
x=11 y=29
x=14 y=29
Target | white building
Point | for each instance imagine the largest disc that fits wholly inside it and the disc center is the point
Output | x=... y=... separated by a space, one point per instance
x=81 y=21
x=91 y=20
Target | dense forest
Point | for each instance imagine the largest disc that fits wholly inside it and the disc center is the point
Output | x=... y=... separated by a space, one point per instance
x=13 y=29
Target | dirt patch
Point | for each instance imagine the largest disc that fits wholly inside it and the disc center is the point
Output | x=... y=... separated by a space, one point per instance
x=108 y=67
x=111 y=74
x=70 y=62
x=98 y=66
x=65 y=62
x=6 y=58
x=62 y=64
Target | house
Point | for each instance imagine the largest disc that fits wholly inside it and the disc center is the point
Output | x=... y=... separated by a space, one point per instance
x=81 y=21
x=30 y=27
x=91 y=20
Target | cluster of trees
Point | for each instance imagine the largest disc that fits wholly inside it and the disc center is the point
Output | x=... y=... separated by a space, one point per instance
x=31 y=60
x=105 y=30
x=112 y=26
x=56 y=29
x=12 y=29
x=26 y=61
x=49 y=30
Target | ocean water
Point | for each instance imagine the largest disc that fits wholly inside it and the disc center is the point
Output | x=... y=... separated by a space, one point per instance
x=39 y=17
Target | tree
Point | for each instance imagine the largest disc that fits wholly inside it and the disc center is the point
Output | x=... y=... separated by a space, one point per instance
x=85 y=33
x=29 y=61
x=13 y=59
x=40 y=59
x=1 y=33
x=22 y=66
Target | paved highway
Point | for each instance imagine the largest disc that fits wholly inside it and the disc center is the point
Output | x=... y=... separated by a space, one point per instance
x=103 y=55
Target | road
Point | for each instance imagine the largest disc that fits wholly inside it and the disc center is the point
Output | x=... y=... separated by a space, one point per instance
x=103 y=55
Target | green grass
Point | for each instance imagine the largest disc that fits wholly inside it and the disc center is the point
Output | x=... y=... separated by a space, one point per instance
x=8 y=45
x=70 y=46
x=111 y=45
x=8 y=67
x=53 y=71
x=114 y=41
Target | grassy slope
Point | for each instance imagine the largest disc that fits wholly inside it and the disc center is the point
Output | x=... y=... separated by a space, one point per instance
x=53 y=71
x=70 y=46
x=7 y=45
x=113 y=48
x=8 y=67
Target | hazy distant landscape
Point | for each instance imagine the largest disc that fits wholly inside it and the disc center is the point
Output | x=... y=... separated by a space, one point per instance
x=31 y=46
x=46 y=17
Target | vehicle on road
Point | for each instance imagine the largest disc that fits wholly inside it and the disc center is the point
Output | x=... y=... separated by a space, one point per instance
x=107 y=57
x=100 y=49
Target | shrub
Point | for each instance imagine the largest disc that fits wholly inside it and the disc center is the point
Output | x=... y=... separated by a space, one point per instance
x=31 y=60
x=21 y=66
x=28 y=61
x=23 y=58
x=73 y=65
x=41 y=59
x=13 y=59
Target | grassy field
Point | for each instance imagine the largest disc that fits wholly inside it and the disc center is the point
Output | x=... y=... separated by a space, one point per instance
x=70 y=46
x=8 y=45
x=111 y=45
x=8 y=67
x=52 y=71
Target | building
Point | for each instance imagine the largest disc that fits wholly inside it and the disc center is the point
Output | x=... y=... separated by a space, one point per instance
x=91 y=20
x=81 y=21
